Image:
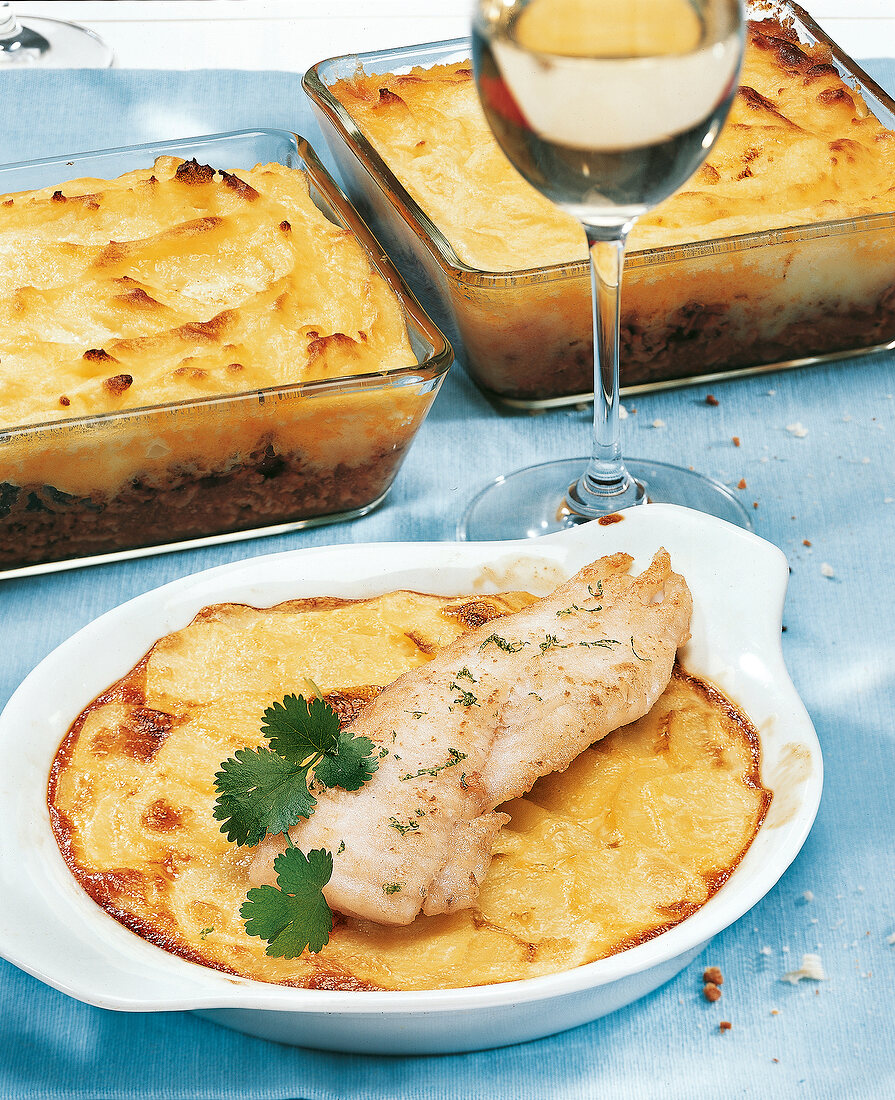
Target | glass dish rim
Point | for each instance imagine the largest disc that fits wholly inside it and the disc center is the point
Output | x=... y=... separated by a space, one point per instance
x=455 y=268
x=438 y=353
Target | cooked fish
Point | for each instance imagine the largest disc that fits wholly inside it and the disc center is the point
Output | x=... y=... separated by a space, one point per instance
x=511 y=700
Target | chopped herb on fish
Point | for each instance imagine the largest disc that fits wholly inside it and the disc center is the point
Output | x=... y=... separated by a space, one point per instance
x=502 y=643
x=552 y=642
x=454 y=757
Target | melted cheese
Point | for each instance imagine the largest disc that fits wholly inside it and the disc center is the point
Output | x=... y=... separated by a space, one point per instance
x=177 y=283
x=636 y=835
x=799 y=147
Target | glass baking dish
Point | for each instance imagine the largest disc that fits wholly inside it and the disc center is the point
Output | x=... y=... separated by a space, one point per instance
x=690 y=313
x=143 y=480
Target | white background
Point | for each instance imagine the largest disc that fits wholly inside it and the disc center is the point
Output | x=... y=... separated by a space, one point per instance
x=293 y=34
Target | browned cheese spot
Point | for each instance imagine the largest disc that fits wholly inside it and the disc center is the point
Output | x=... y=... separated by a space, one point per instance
x=473 y=613
x=145 y=732
x=239 y=186
x=138 y=298
x=118 y=383
x=192 y=172
x=207 y=331
x=349 y=703
x=98 y=355
x=161 y=817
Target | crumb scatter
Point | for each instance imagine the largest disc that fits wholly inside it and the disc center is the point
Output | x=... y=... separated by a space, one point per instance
x=810 y=969
x=798 y=429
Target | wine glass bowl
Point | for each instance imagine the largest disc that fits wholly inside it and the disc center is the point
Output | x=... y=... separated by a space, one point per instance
x=606 y=107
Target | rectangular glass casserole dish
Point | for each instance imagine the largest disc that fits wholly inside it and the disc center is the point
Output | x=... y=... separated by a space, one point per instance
x=144 y=479
x=690 y=312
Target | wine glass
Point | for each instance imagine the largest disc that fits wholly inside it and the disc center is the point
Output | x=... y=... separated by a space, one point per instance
x=49 y=43
x=606 y=107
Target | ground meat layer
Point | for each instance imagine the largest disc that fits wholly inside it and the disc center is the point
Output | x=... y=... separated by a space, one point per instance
x=39 y=523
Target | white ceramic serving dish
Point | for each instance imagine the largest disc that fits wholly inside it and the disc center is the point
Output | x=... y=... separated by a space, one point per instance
x=50 y=928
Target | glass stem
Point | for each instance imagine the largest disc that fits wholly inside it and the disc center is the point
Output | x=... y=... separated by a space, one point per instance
x=605 y=486
x=18 y=42
x=9 y=27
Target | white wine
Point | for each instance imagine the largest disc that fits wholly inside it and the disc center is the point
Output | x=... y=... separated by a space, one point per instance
x=605 y=108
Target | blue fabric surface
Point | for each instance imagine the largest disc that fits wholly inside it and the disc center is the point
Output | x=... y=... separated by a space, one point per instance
x=833 y=486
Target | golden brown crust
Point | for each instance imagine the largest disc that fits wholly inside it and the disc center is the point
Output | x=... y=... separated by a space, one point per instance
x=176 y=267
x=130 y=796
x=799 y=147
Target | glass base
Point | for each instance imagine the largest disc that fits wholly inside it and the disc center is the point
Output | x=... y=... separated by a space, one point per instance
x=54 y=44
x=531 y=502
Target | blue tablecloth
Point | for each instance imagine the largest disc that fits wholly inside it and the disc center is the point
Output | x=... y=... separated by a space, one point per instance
x=833 y=486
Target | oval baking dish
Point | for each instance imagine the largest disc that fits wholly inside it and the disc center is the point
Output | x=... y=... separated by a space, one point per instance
x=50 y=928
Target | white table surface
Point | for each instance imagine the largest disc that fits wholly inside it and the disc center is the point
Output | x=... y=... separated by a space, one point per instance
x=293 y=34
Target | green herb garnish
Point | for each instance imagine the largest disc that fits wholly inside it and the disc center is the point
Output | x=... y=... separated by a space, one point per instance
x=502 y=643
x=465 y=698
x=454 y=757
x=263 y=792
x=294 y=914
x=552 y=642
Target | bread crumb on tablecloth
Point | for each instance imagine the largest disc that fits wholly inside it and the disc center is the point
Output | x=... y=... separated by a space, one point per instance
x=827 y=569
x=798 y=429
x=811 y=968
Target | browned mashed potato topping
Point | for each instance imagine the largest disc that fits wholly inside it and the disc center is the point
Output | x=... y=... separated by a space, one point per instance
x=799 y=146
x=638 y=833
x=180 y=282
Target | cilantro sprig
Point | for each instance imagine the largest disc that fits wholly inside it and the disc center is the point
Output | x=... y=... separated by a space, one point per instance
x=294 y=914
x=265 y=791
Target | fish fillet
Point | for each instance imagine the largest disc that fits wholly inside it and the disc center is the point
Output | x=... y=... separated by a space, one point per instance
x=509 y=701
